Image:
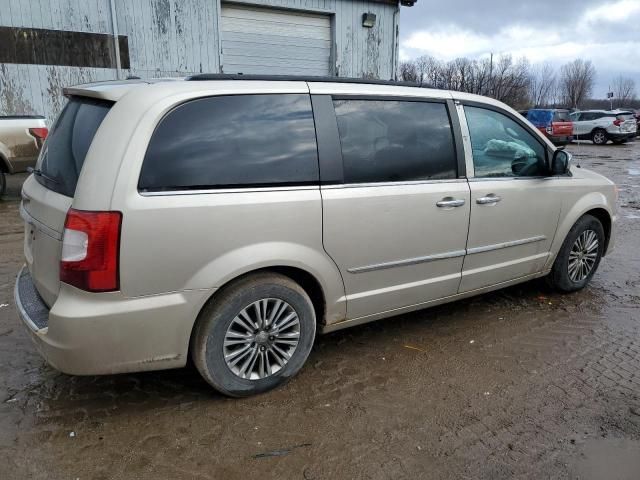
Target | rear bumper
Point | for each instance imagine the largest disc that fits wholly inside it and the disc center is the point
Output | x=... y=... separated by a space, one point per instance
x=560 y=139
x=105 y=333
x=621 y=136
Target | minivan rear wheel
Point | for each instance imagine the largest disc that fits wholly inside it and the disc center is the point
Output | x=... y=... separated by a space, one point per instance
x=579 y=256
x=599 y=137
x=254 y=335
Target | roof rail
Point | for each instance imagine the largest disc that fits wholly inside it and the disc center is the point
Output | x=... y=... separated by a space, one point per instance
x=299 y=78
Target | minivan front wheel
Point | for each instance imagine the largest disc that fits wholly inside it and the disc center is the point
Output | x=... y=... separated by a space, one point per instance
x=579 y=256
x=255 y=335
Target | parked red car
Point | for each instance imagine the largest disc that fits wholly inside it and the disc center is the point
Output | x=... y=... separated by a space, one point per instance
x=554 y=123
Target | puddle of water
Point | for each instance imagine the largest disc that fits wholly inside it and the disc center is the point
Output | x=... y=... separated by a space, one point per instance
x=610 y=458
x=634 y=171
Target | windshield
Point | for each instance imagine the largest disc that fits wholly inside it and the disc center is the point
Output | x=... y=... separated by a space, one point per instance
x=67 y=144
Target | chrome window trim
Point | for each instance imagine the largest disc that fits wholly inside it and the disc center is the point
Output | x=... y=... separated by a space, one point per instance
x=506 y=179
x=209 y=191
x=393 y=184
x=500 y=246
x=466 y=140
x=407 y=262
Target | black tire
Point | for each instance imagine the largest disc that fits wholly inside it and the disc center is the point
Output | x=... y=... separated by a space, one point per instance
x=208 y=337
x=599 y=136
x=559 y=277
x=3 y=183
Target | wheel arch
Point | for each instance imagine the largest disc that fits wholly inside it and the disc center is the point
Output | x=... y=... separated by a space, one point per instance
x=309 y=283
x=594 y=203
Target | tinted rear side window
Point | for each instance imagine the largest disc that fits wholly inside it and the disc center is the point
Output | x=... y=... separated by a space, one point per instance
x=392 y=141
x=68 y=142
x=233 y=141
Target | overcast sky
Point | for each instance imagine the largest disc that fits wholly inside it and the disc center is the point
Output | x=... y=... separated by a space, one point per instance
x=607 y=32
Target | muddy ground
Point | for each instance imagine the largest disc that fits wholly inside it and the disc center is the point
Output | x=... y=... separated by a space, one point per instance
x=523 y=383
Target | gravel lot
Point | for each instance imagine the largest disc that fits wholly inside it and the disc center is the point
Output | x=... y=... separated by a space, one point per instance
x=523 y=383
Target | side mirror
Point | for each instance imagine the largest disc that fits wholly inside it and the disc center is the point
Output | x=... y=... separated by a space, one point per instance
x=560 y=163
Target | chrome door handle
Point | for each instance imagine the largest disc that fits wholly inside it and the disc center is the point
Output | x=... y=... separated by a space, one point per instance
x=488 y=200
x=449 y=202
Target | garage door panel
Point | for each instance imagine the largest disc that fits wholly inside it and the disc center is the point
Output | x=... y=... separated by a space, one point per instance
x=272 y=70
x=263 y=40
x=260 y=26
x=235 y=39
x=293 y=53
x=282 y=16
x=274 y=61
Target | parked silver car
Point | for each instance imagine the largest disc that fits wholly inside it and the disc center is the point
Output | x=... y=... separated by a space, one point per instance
x=600 y=126
x=21 y=137
x=230 y=219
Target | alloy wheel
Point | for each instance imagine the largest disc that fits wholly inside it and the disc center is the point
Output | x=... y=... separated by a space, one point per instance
x=261 y=339
x=583 y=256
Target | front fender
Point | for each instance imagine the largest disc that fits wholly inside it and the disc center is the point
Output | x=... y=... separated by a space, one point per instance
x=253 y=257
x=586 y=203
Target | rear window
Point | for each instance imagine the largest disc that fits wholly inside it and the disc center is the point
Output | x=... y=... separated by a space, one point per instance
x=561 y=117
x=540 y=118
x=67 y=144
x=625 y=116
x=233 y=141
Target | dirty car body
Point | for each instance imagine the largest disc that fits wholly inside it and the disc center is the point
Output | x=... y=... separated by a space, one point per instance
x=21 y=137
x=230 y=219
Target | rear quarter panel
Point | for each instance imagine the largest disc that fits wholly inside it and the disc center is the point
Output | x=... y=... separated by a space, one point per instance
x=178 y=242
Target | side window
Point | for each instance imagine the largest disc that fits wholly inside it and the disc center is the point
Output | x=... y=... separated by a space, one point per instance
x=233 y=141
x=502 y=147
x=394 y=141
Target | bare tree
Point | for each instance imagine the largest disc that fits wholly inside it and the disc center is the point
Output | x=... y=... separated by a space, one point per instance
x=409 y=71
x=542 y=85
x=576 y=80
x=624 y=89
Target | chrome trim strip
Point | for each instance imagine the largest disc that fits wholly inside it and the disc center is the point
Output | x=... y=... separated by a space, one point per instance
x=209 y=191
x=507 y=179
x=23 y=313
x=407 y=262
x=392 y=184
x=499 y=246
x=38 y=224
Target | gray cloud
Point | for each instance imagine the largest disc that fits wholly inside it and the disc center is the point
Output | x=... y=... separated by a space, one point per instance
x=605 y=31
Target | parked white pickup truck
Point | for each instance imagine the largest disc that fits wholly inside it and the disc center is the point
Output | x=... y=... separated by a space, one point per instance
x=21 y=138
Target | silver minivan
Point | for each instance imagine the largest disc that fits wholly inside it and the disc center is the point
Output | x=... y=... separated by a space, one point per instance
x=229 y=219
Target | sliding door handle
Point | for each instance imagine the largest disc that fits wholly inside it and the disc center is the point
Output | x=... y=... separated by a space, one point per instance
x=488 y=200
x=449 y=202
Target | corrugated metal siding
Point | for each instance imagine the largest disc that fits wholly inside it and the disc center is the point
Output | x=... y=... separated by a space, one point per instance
x=176 y=38
x=275 y=41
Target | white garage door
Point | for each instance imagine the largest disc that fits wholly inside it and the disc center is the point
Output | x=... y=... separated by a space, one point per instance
x=274 y=42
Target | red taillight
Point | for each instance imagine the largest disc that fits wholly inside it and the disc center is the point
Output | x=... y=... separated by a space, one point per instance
x=617 y=123
x=90 y=250
x=39 y=133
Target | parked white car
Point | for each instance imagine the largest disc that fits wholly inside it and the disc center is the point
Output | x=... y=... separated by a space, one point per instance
x=600 y=126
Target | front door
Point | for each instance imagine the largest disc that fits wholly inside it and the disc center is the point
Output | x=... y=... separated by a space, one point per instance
x=397 y=226
x=514 y=211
